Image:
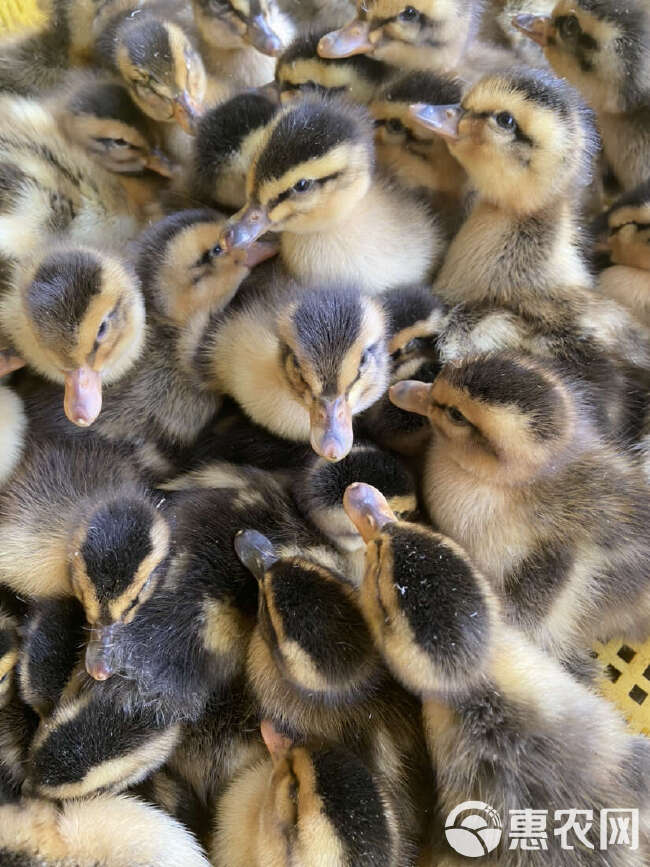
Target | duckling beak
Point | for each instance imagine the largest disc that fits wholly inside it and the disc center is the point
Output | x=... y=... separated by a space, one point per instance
x=368 y=510
x=535 y=27
x=354 y=38
x=411 y=396
x=156 y=161
x=187 y=113
x=100 y=657
x=259 y=251
x=263 y=37
x=255 y=552
x=245 y=227
x=82 y=401
x=331 y=428
x=442 y=119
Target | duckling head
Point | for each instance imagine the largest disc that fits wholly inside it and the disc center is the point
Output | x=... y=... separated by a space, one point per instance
x=227 y=139
x=628 y=223
x=524 y=137
x=320 y=488
x=429 y=609
x=600 y=47
x=404 y=144
x=313 y=166
x=8 y=656
x=232 y=24
x=183 y=268
x=505 y=419
x=163 y=71
x=308 y=617
x=81 y=322
x=301 y=70
x=117 y=559
x=324 y=799
x=425 y=34
x=333 y=359
x=103 y=119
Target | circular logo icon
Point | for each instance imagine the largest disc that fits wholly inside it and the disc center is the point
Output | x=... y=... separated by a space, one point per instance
x=477 y=833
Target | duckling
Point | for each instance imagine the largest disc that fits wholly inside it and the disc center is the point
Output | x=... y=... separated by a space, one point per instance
x=50 y=505
x=148 y=46
x=318 y=491
x=418 y=158
x=303 y=805
x=315 y=674
x=17 y=721
x=97 y=113
x=12 y=433
x=106 y=831
x=226 y=141
x=299 y=362
x=627 y=280
x=553 y=515
x=312 y=180
x=240 y=41
x=301 y=70
x=505 y=724
x=510 y=133
x=427 y=34
x=602 y=49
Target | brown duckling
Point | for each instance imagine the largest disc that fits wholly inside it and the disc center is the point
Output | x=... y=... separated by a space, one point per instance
x=299 y=362
x=301 y=70
x=505 y=724
x=309 y=805
x=416 y=156
x=554 y=516
x=240 y=39
x=148 y=46
x=627 y=280
x=227 y=139
x=313 y=180
x=527 y=143
x=602 y=49
x=106 y=831
x=313 y=670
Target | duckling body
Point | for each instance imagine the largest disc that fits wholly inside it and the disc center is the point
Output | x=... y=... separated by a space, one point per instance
x=312 y=180
x=521 y=500
x=490 y=728
x=36 y=833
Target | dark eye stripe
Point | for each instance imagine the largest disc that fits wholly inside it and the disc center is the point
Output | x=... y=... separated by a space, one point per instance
x=285 y=195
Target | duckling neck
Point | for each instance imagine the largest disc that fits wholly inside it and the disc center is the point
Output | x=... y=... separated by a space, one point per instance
x=387 y=239
x=497 y=254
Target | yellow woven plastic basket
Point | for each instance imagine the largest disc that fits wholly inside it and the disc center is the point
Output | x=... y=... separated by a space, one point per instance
x=16 y=15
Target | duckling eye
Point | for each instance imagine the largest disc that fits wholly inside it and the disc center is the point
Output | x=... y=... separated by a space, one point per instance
x=394 y=124
x=506 y=121
x=102 y=331
x=569 y=27
x=120 y=143
x=409 y=13
x=302 y=185
x=455 y=415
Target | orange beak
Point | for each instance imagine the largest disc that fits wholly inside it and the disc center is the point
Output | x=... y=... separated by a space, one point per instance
x=411 y=396
x=535 y=27
x=354 y=38
x=441 y=119
x=83 y=396
x=331 y=428
x=368 y=510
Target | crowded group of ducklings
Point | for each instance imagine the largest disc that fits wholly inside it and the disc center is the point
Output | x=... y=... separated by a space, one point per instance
x=325 y=427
